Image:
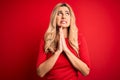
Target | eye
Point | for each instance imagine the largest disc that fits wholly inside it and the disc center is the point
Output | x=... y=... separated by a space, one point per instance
x=67 y=13
x=59 y=13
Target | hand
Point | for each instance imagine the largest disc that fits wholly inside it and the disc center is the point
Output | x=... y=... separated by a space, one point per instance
x=62 y=39
x=60 y=49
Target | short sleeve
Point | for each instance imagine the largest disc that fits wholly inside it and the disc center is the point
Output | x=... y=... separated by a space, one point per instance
x=83 y=50
x=41 y=55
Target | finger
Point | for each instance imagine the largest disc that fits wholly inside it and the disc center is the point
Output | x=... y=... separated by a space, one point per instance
x=60 y=29
x=60 y=33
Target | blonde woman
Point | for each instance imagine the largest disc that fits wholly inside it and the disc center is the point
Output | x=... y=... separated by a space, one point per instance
x=62 y=52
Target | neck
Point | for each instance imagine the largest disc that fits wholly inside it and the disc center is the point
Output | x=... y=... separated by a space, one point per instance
x=65 y=32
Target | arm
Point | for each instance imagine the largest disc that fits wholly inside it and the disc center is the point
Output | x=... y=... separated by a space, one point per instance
x=48 y=64
x=75 y=61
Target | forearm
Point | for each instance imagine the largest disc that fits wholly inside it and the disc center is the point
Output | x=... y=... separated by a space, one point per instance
x=77 y=63
x=47 y=65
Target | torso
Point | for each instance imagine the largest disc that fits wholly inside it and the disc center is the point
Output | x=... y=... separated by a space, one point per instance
x=63 y=69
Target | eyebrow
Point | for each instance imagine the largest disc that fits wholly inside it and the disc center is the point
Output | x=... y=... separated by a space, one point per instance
x=65 y=11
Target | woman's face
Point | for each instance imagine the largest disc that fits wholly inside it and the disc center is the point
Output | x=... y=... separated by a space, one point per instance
x=63 y=17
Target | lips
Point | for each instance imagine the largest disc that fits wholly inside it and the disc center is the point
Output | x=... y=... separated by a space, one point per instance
x=63 y=22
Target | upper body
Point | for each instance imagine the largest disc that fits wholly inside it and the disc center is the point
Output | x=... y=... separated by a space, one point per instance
x=62 y=52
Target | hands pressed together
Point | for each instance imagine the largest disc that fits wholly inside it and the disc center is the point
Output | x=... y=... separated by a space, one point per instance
x=61 y=43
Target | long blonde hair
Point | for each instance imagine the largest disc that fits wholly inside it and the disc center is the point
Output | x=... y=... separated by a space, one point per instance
x=51 y=33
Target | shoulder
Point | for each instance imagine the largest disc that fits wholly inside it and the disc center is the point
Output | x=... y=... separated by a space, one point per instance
x=81 y=38
x=42 y=41
x=41 y=44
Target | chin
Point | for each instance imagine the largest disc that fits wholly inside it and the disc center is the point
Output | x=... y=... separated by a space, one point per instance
x=65 y=26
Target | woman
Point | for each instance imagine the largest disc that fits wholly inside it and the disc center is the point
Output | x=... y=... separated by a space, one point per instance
x=62 y=52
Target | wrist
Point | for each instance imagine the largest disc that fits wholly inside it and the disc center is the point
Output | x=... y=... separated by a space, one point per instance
x=66 y=50
x=57 y=52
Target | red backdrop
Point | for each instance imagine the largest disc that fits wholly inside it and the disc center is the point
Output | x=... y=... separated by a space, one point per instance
x=23 y=23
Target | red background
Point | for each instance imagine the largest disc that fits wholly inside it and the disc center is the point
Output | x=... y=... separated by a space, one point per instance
x=23 y=23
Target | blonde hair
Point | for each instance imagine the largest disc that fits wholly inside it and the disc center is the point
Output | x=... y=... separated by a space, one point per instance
x=51 y=33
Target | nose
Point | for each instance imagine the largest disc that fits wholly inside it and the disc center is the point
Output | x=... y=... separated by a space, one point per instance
x=63 y=16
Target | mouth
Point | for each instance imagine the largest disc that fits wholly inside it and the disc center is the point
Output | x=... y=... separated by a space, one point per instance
x=63 y=22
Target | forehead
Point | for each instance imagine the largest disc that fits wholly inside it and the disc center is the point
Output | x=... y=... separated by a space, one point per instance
x=63 y=8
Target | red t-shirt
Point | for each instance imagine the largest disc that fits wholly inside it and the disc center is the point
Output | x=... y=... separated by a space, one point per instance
x=63 y=69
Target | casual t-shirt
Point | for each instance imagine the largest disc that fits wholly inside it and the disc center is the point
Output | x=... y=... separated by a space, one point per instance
x=63 y=69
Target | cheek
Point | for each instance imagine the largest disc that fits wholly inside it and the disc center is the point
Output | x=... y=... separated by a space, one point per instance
x=57 y=21
x=68 y=21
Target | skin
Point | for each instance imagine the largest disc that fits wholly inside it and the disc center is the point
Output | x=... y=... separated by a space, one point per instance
x=63 y=22
x=63 y=17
